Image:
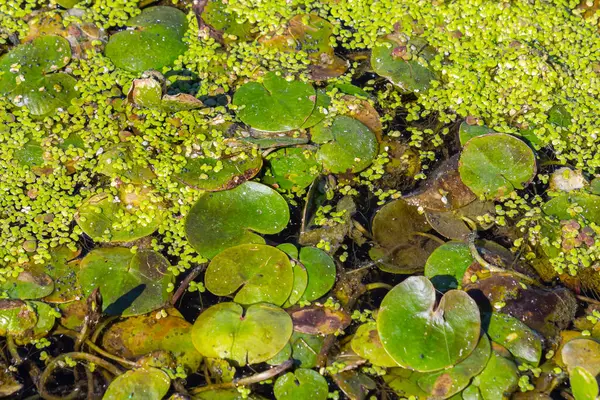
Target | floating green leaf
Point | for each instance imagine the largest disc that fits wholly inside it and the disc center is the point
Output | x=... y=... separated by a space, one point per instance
x=155 y=40
x=292 y=168
x=144 y=384
x=236 y=164
x=106 y=218
x=275 y=104
x=454 y=325
x=301 y=384
x=224 y=219
x=466 y=131
x=583 y=384
x=248 y=336
x=447 y=265
x=497 y=381
x=28 y=75
x=511 y=333
x=321 y=272
x=215 y=15
x=254 y=272
x=347 y=145
x=405 y=65
x=495 y=164
x=138 y=283
x=118 y=161
x=16 y=318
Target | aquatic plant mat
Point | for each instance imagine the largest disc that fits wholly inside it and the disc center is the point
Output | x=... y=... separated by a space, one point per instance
x=299 y=199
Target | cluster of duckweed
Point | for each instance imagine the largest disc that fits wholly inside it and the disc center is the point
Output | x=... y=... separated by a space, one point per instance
x=105 y=13
x=12 y=18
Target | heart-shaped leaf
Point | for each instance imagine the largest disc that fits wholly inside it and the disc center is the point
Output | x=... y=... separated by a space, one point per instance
x=275 y=104
x=224 y=219
x=138 y=282
x=495 y=164
x=447 y=265
x=301 y=384
x=252 y=336
x=254 y=272
x=405 y=65
x=511 y=333
x=138 y=336
x=28 y=75
x=346 y=145
x=139 y=384
x=154 y=41
x=429 y=339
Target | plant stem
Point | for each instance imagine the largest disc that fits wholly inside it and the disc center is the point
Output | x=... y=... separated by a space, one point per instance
x=56 y=363
x=186 y=282
x=261 y=376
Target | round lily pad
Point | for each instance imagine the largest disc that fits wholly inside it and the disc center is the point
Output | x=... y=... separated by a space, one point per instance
x=301 y=384
x=144 y=383
x=454 y=325
x=346 y=145
x=446 y=383
x=321 y=272
x=292 y=168
x=404 y=65
x=138 y=282
x=138 y=336
x=224 y=219
x=582 y=353
x=101 y=217
x=367 y=344
x=235 y=165
x=248 y=336
x=28 y=75
x=495 y=164
x=254 y=272
x=399 y=247
x=517 y=337
x=447 y=265
x=154 y=40
x=275 y=104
